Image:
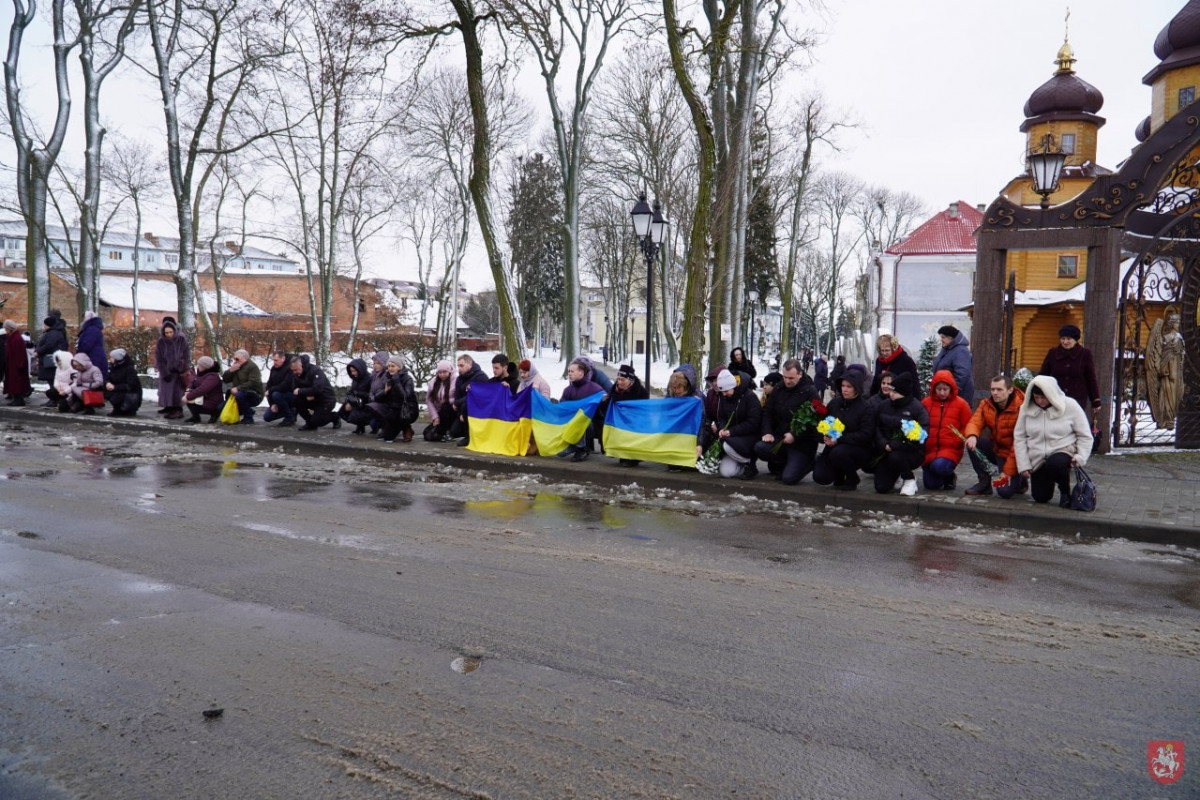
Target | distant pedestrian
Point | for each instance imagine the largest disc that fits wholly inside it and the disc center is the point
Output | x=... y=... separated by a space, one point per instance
x=821 y=376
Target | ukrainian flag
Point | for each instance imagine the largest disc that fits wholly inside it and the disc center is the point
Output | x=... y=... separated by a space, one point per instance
x=498 y=422
x=654 y=430
x=556 y=425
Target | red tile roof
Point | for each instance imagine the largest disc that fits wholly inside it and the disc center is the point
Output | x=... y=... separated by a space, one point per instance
x=943 y=234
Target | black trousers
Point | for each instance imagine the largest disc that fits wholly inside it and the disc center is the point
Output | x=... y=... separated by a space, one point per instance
x=1055 y=471
x=313 y=414
x=840 y=464
x=897 y=463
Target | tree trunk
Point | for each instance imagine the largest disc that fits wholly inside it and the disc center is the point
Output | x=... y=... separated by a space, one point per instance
x=34 y=163
x=512 y=337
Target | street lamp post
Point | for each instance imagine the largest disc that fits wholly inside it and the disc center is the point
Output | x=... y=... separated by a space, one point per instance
x=753 y=294
x=650 y=229
x=1045 y=167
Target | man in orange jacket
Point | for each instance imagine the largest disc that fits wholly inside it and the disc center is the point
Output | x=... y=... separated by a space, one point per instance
x=996 y=415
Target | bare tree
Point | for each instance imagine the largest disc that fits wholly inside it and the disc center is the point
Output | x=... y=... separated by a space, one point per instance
x=132 y=174
x=470 y=21
x=440 y=135
x=335 y=109
x=562 y=34
x=837 y=194
x=884 y=215
x=36 y=159
x=205 y=54
x=99 y=55
x=640 y=140
x=811 y=124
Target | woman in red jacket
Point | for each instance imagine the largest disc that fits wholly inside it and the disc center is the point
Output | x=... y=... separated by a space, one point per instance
x=943 y=448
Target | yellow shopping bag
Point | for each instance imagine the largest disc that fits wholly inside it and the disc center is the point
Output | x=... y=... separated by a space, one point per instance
x=230 y=414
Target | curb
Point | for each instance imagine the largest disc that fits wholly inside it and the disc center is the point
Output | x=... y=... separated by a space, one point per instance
x=989 y=512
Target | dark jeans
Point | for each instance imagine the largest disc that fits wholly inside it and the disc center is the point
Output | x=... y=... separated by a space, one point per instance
x=247 y=401
x=898 y=463
x=840 y=464
x=1055 y=471
x=792 y=461
x=284 y=401
x=939 y=473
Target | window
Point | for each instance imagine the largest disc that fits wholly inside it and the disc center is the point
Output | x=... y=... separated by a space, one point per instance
x=1068 y=266
x=115 y=255
x=172 y=259
x=1186 y=95
x=1068 y=143
x=362 y=305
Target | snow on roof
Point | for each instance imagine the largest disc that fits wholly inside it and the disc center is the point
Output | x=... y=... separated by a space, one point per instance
x=162 y=296
x=943 y=233
x=1050 y=297
x=409 y=312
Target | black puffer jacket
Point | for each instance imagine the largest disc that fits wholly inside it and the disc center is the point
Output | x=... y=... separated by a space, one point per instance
x=124 y=378
x=281 y=378
x=359 y=393
x=857 y=414
x=398 y=399
x=741 y=414
x=891 y=414
x=312 y=382
x=782 y=403
x=462 y=382
x=50 y=342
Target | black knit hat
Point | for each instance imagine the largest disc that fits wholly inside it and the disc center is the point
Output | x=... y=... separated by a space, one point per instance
x=1071 y=331
x=902 y=384
x=948 y=330
x=626 y=371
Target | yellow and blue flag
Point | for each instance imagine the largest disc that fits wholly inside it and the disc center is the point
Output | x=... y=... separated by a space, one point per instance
x=498 y=421
x=654 y=430
x=557 y=425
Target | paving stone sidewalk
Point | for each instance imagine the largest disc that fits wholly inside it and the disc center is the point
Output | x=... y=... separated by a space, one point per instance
x=1142 y=496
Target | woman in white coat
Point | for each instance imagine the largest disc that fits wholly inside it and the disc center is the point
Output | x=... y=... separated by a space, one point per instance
x=1052 y=435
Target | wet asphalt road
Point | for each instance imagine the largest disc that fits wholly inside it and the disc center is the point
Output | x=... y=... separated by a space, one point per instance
x=627 y=646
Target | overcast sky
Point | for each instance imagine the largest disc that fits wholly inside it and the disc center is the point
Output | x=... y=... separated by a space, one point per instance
x=940 y=86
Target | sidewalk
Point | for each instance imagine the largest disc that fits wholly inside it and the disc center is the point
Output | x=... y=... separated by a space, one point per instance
x=1147 y=497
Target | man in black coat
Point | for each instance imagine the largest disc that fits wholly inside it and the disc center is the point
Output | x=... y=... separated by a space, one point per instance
x=468 y=373
x=793 y=459
x=279 y=391
x=313 y=394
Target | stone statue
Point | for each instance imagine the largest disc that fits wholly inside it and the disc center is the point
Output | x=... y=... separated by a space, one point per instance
x=1164 y=369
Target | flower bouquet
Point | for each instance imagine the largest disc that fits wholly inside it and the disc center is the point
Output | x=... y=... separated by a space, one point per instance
x=832 y=427
x=911 y=431
x=805 y=419
x=710 y=462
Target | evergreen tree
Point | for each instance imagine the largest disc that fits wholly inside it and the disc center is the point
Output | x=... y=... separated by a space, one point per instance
x=534 y=227
x=929 y=350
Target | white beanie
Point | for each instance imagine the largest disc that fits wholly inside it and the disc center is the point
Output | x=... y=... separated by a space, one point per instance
x=726 y=381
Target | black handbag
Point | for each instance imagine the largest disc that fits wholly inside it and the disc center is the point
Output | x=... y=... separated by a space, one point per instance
x=1083 y=495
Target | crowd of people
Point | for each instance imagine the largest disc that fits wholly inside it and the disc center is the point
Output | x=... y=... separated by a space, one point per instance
x=880 y=423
